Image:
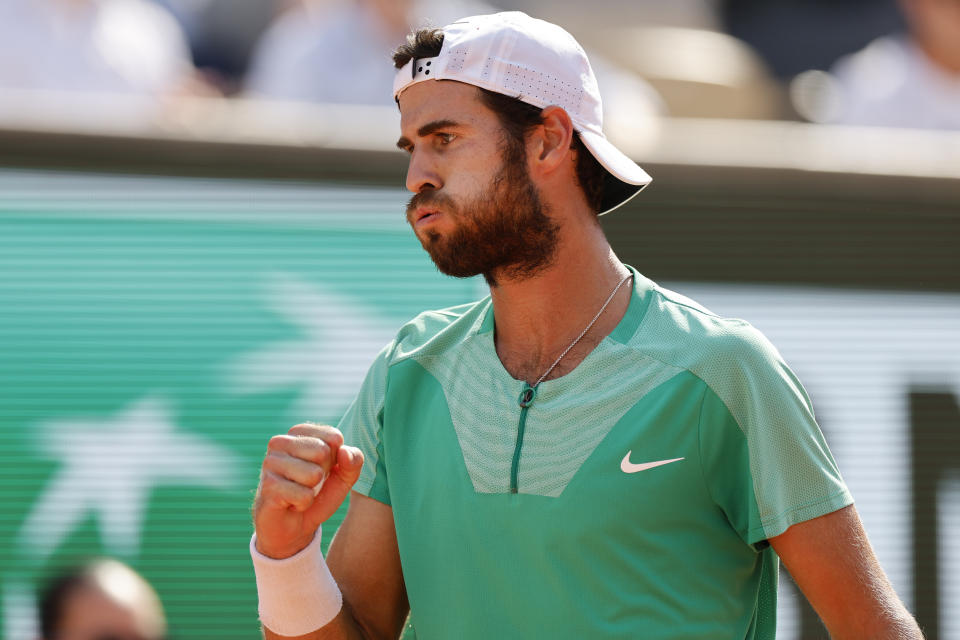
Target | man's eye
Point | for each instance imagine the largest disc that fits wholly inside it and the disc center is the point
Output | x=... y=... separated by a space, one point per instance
x=446 y=138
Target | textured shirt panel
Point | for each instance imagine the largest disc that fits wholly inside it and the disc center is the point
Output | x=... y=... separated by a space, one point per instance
x=562 y=428
x=571 y=417
x=482 y=400
x=794 y=475
x=595 y=543
x=362 y=423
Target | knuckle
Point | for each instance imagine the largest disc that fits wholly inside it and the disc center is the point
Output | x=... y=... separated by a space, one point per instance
x=268 y=482
x=270 y=465
x=277 y=442
x=274 y=459
x=335 y=437
x=301 y=498
x=320 y=452
x=310 y=449
x=277 y=491
x=305 y=428
x=316 y=475
x=324 y=432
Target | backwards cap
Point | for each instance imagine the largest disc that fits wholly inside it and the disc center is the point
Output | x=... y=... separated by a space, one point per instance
x=536 y=62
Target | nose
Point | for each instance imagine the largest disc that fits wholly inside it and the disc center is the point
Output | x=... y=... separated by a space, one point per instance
x=421 y=174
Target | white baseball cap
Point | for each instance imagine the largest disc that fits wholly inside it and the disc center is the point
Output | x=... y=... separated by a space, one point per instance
x=536 y=62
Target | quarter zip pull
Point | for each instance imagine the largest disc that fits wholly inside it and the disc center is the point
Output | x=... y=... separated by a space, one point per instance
x=527 y=396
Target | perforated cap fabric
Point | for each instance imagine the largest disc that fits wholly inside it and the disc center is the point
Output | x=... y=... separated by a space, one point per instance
x=539 y=63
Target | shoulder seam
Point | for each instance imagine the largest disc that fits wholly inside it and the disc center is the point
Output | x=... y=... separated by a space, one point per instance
x=698 y=377
x=450 y=316
x=703 y=402
x=701 y=311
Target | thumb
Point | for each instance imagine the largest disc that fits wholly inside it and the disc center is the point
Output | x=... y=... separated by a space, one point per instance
x=349 y=465
x=337 y=486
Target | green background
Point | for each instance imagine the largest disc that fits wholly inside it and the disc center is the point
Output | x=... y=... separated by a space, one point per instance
x=139 y=273
x=105 y=303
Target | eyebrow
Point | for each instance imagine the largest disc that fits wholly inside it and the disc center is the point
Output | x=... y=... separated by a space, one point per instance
x=431 y=127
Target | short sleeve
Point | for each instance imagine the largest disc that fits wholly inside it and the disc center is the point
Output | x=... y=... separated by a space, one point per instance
x=765 y=459
x=362 y=427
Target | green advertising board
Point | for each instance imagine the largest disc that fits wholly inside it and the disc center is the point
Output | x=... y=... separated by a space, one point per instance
x=154 y=333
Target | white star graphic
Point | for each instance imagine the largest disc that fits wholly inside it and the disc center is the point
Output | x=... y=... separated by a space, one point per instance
x=340 y=338
x=20 y=614
x=109 y=468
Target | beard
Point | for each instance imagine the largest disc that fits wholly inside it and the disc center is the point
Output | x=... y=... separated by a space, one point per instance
x=502 y=233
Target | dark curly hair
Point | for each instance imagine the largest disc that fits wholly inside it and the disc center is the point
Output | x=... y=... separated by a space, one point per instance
x=516 y=117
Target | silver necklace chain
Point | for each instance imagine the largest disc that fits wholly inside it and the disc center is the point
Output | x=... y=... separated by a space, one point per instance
x=582 y=333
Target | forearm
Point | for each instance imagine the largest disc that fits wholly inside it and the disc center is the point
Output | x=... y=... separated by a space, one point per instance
x=901 y=627
x=867 y=607
x=894 y=622
x=294 y=601
x=357 y=591
x=306 y=476
x=832 y=562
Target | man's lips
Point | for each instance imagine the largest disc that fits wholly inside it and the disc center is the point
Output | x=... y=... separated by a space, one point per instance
x=427 y=206
x=424 y=215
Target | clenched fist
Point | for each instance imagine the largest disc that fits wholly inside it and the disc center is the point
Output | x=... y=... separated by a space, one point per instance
x=306 y=475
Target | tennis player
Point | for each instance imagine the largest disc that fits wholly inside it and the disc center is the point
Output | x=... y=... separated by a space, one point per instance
x=582 y=454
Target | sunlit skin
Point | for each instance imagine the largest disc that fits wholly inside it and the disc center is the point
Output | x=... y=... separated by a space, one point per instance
x=453 y=151
x=502 y=229
x=454 y=144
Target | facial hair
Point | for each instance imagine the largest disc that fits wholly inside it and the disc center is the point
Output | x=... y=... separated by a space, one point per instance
x=504 y=233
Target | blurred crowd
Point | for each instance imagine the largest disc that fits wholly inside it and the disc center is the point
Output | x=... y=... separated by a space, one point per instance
x=859 y=62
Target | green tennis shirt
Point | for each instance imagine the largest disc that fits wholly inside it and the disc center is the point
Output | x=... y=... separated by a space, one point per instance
x=631 y=498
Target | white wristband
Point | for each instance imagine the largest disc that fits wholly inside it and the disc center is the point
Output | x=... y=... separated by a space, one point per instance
x=297 y=594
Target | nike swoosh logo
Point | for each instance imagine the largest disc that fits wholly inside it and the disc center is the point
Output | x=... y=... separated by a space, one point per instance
x=628 y=467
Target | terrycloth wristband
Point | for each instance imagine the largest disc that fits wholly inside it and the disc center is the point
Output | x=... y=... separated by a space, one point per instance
x=297 y=594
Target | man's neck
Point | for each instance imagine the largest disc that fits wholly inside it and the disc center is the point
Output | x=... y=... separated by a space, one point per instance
x=540 y=316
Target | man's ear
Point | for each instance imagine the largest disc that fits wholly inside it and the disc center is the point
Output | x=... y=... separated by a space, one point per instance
x=553 y=138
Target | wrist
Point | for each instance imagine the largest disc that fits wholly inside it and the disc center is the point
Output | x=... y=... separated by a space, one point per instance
x=281 y=553
x=297 y=594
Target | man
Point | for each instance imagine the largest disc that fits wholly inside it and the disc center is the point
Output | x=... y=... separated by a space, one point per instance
x=102 y=600
x=129 y=47
x=583 y=454
x=910 y=80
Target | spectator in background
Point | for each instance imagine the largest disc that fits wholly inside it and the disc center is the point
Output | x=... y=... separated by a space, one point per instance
x=317 y=53
x=222 y=33
x=793 y=36
x=323 y=54
x=103 y=46
x=905 y=81
x=100 y=600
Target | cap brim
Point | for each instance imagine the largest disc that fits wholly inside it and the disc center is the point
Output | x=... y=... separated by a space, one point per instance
x=626 y=178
